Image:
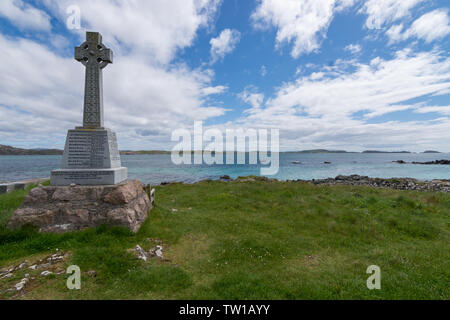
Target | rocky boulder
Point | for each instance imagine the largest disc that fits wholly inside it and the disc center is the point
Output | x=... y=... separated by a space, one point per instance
x=70 y=208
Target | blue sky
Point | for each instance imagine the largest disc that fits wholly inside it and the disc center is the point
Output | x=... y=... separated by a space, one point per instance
x=336 y=74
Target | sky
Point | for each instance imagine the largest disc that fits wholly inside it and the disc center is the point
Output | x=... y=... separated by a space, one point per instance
x=335 y=74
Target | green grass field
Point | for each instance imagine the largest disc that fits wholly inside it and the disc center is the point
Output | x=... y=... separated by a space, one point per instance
x=252 y=240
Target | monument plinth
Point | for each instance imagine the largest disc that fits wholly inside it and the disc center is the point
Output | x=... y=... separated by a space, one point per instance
x=91 y=188
x=91 y=154
x=71 y=208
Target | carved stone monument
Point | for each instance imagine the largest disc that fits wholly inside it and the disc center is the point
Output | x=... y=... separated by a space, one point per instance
x=91 y=188
x=91 y=155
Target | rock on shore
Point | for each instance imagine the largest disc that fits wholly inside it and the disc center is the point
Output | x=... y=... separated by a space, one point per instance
x=357 y=180
x=441 y=162
x=394 y=183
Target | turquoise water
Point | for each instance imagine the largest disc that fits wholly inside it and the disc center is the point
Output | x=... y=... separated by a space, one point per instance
x=159 y=168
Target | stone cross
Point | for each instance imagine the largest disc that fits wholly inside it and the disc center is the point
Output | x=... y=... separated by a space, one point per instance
x=94 y=55
x=91 y=154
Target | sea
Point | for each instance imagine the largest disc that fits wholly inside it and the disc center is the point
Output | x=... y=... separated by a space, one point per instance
x=159 y=168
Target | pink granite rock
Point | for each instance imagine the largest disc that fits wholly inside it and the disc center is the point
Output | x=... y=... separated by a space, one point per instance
x=124 y=194
x=36 y=195
x=71 y=194
x=75 y=216
x=61 y=209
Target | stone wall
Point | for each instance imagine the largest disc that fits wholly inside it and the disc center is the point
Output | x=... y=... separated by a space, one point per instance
x=70 y=208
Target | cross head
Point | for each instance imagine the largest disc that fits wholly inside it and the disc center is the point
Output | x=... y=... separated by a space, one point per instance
x=93 y=51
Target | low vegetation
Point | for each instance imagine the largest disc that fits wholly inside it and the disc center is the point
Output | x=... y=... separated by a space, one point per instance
x=250 y=240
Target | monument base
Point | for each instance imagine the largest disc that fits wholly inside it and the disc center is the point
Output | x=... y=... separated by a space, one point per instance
x=62 y=209
x=66 y=177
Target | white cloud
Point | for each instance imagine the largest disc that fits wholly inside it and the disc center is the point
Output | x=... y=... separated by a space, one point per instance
x=353 y=48
x=441 y=93
x=214 y=90
x=372 y=86
x=156 y=28
x=251 y=96
x=395 y=33
x=334 y=109
x=429 y=27
x=40 y=93
x=303 y=22
x=316 y=75
x=224 y=44
x=445 y=110
x=24 y=15
x=381 y=12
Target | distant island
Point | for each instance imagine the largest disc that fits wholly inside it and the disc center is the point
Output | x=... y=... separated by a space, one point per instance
x=320 y=151
x=343 y=151
x=375 y=151
x=12 y=151
x=131 y=152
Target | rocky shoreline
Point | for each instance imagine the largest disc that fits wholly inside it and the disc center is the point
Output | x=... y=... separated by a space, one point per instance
x=393 y=183
x=441 y=185
x=441 y=162
x=357 y=180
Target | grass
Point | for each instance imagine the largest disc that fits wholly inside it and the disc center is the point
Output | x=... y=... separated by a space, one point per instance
x=254 y=240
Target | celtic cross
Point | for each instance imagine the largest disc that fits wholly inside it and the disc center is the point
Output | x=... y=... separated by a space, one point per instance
x=94 y=55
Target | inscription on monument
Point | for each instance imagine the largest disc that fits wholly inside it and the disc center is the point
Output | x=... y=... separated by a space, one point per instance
x=91 y=149
x=85 y=175
x=87 y=150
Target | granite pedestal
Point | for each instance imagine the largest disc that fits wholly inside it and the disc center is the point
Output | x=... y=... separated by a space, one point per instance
x=71 y=208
